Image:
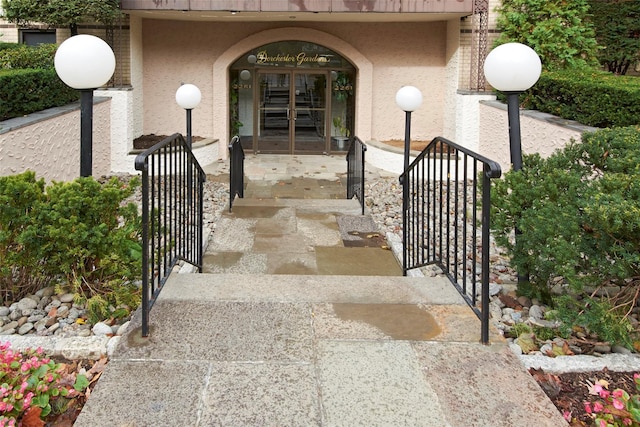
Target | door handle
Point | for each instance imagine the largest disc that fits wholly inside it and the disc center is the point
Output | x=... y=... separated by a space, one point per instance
x=295 y=114
x=288 y=114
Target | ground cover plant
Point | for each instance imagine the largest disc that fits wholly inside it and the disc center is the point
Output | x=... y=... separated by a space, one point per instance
x=34 y=388
x=79 y=236
x=579 y=216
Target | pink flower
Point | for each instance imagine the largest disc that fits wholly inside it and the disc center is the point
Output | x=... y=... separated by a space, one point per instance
x=627 y=421
x=605 y=394
x=618 y=393
x=596 y=389
x=587 y=407
x=567 y=415
x=618 y=404
x=597 y=407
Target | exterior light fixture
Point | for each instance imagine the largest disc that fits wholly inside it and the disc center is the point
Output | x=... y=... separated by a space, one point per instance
x=409 y=99
x=85 y=62
x=513 y=68
x=245 y=74
x=188 y=96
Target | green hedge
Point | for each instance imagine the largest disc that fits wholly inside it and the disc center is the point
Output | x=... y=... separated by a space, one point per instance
x=24 y=56
x=593 y=98
x=26 y=91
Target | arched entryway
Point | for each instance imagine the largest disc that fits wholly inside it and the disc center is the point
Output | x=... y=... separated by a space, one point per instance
x=292 y=97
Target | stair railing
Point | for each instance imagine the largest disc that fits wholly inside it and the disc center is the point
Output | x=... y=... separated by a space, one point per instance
x=172 y=215
x=447 y=186
x=355 y=171
x=236 y=170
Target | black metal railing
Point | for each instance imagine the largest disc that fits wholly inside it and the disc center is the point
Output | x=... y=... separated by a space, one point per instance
x=443 y=189
x=172 y=215
x=236 y=170
x=355 y=171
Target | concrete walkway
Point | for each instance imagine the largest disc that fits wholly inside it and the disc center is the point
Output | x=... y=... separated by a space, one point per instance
x=257 y=343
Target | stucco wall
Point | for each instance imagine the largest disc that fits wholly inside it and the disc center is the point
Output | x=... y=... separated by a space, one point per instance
x=397 y=54
x=48 y=142
x=540 y=132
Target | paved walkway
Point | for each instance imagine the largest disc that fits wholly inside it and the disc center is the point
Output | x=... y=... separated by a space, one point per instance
x=260 y=344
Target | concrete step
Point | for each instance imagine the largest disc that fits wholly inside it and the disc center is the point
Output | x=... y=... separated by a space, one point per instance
x=244 y=350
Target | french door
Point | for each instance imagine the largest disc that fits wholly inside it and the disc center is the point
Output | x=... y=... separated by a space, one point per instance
x=291 y=113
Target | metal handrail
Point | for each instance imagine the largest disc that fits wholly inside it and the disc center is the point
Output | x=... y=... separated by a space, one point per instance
x=172 y=215
x=355 y=170
x=440 y=206
x=236 y=170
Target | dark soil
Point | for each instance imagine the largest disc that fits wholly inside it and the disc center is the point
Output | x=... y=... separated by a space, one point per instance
x=147 y=141
x=569 y=391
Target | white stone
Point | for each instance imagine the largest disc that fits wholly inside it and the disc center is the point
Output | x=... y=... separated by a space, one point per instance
x=101 y=329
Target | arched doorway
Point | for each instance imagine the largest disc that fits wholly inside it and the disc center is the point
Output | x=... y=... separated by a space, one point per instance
x=292 y=97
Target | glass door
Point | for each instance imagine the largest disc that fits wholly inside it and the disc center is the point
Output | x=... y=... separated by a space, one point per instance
x=309 y=113
x=292 y=113
x=274 y=113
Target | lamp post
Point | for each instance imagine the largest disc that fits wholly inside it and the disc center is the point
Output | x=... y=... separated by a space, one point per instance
x=85 y=62
x=513 y=68
x=409 y=99
x=188 y=96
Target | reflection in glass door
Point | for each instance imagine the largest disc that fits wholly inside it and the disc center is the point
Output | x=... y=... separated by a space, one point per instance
x=291 y=113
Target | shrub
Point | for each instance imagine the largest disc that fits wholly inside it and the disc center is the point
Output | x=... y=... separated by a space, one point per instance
x=593 y=98
x=26 y=91
x=80 y=234
x=24 y=56
x=578 y=211
x=20 y=272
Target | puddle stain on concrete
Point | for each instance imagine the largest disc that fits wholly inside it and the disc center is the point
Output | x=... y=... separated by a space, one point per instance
x=398 y=321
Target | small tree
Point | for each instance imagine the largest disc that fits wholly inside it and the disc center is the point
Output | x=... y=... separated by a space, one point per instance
x=558 y=30
x=60 y=13
x=617 y=27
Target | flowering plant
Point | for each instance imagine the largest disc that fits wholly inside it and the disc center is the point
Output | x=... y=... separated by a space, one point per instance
x=614 y=408
x=29 y=382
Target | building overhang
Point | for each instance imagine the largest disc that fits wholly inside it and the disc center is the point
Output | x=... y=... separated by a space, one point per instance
x=300 y=10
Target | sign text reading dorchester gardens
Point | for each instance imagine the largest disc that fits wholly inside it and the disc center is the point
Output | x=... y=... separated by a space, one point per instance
x=263 y=57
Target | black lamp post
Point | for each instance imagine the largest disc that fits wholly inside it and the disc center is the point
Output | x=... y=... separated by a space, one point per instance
x=409 y=99
x=512 y=68
x=85 y=62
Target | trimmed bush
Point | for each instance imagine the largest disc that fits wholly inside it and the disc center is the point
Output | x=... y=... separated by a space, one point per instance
x=26 y=91
x=593 y=98
x=578 y=211
x=24 y=56
x=78 y=235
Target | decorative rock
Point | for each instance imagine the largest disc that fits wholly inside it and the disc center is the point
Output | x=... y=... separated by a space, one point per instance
x=602 y=348
x=101 y=328
x=620 y=349
x=9 y=326
x=494 y=289
x=53 y=304
x=46 y=292
x=536 y=312
x=524 y=301
x=123 y=328
x=4 y=311
x=63 y=311
x=15 y=314
x=22 y=321
x=27 y=303
x=66 y=297
x=515 y=348
x=25 y=328
x=53 y=328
